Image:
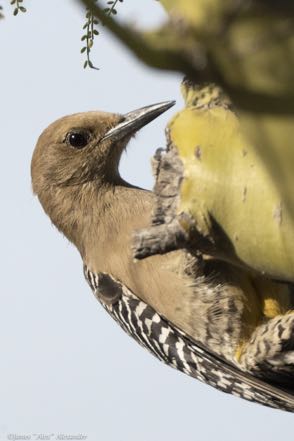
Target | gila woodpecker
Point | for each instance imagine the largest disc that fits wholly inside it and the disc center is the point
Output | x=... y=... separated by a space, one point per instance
x=197 y=315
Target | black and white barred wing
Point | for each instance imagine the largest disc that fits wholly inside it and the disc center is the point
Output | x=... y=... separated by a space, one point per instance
x=170 y=345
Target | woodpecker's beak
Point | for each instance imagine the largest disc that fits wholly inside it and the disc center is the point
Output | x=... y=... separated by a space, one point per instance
x=133 y=121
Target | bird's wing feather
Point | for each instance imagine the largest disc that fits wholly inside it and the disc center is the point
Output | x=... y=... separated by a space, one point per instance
x=170 y=345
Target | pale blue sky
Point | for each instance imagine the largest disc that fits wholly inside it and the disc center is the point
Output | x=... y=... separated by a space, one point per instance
x=66 y=367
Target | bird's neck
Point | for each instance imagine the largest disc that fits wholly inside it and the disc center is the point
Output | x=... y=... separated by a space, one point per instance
x=99 y=220
x=113 y=218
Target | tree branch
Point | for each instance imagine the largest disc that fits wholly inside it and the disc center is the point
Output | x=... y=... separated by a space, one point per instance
x=146 y=46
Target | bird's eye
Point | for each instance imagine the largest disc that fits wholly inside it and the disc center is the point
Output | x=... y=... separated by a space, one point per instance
x=77 y=139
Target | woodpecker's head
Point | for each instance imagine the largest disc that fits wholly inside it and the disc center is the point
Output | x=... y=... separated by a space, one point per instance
x=75 y=164
x=86 y=146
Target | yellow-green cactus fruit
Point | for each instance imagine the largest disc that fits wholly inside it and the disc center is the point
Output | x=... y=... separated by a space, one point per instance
x=228 y=189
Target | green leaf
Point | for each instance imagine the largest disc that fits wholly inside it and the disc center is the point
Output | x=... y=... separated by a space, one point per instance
x=92 y=65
